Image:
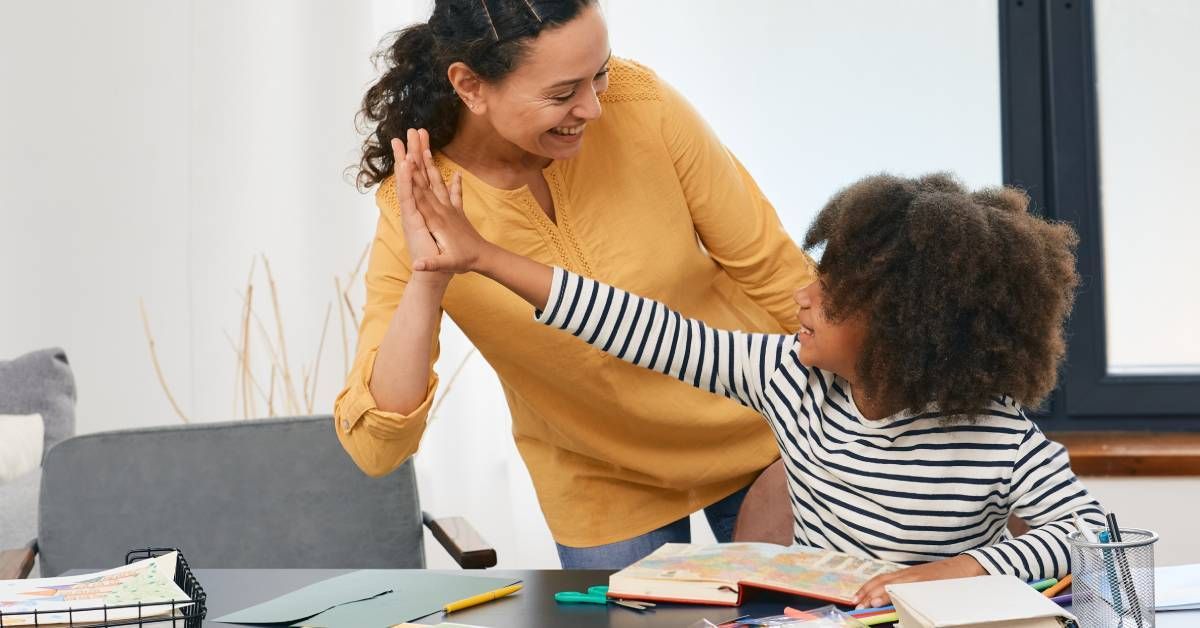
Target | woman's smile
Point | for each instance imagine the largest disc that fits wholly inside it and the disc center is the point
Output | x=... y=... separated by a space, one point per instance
x=568 y=134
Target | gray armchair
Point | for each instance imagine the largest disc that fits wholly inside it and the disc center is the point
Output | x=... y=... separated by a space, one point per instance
x=271 y=493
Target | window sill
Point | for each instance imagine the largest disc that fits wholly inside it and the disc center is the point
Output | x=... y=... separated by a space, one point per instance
x=1132 y=454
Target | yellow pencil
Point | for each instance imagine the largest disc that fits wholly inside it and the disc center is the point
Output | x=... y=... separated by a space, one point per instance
x=1062 y=584
x=481 y=598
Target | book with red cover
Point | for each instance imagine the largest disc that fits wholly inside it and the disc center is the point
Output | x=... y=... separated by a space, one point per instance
x=719 y=574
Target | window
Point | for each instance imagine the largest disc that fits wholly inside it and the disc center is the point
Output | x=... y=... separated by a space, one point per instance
x=1097 y=101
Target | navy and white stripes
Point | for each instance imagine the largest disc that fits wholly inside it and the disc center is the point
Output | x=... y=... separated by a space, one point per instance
x=909 y=488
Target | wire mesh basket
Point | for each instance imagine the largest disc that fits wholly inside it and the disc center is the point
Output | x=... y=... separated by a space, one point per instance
x=1113 y=583
x=186 y=613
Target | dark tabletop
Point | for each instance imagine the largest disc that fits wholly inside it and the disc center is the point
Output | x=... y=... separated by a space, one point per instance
x=229 y=590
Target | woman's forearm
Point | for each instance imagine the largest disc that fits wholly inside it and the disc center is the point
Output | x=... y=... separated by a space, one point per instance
x=400 y=380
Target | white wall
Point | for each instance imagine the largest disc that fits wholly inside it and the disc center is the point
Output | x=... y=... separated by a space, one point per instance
x=1164 y=505
x=152 y=148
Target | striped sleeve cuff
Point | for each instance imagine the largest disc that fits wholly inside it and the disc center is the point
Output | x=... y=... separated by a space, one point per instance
x=550 y=311
x=1036 y=555
x=994 y=562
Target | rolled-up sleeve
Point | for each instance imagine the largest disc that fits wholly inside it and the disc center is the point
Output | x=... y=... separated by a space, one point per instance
x=380 y=441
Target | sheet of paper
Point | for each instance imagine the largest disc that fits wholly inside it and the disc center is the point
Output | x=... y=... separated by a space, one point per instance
x=1177 y=587
x=414 y=594
x=146 y=581
x=312 y=599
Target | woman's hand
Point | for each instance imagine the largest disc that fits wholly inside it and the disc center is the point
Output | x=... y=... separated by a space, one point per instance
x=458 y=247
x=873 y=595
x=416 y=233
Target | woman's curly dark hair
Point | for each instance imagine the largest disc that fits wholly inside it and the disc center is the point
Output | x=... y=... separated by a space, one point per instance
x=965 y=294
x=490 y=36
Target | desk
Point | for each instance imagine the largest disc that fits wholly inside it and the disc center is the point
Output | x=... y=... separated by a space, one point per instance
x=533 y=607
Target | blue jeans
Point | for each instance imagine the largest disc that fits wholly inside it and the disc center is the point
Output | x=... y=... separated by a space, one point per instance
x=721 y=517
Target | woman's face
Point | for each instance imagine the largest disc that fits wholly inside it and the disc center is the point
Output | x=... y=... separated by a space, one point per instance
x=545 y=104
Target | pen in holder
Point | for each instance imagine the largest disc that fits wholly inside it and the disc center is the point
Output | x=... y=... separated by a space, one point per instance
x=1113 y=580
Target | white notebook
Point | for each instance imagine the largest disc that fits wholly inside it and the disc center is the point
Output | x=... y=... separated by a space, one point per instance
x=1177 y=588
x=982 y=601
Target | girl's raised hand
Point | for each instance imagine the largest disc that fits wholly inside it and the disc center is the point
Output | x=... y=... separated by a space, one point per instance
x=460 y=247
x=416 y=233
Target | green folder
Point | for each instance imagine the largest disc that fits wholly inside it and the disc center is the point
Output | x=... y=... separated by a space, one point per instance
x=371 y=597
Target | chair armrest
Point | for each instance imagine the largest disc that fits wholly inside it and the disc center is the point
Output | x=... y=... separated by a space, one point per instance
x=16 y=564
x=460 y=539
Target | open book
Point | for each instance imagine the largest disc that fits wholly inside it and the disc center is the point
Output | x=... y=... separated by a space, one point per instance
x=719 y=574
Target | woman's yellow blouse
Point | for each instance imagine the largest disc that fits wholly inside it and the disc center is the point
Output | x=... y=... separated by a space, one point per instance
x=653 y=204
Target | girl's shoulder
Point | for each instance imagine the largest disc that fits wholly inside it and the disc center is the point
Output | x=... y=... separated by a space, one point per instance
x=630 y=81
x=1006 y=412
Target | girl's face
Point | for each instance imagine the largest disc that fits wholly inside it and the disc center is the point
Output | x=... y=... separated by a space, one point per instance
x=825 y=344
x=544 y=105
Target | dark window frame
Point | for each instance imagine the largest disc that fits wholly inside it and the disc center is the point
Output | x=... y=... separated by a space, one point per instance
x=1049 y=137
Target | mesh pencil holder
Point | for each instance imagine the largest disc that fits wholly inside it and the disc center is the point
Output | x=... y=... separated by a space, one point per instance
x=1113 y=583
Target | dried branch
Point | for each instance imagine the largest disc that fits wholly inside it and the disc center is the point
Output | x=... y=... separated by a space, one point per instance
x=253 y=380
x=449 y=384
x=262 y=331
x=247 y=398
x=312 y=398
x=304 y=385
x=337 y=286
x=357 y=267
x=289 y=387
x=162 y=381
x=271 y=395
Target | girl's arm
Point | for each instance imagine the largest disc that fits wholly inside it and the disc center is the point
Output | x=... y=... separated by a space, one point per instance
x=635 y=329
x=1045 y=493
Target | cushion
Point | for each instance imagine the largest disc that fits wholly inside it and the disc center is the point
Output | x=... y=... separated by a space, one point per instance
x=20 y=444
x=19 y=510
x=41 y=382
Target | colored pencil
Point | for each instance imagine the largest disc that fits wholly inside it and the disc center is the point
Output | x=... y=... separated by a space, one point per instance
x=1042 y=585
x=1062 y=584
x=885 y=618
x=1063 y=600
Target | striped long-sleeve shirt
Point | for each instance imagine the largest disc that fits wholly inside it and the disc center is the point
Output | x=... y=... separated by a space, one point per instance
x=910 y=488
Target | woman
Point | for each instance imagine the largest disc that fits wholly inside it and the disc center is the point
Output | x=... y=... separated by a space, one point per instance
x=512 y=92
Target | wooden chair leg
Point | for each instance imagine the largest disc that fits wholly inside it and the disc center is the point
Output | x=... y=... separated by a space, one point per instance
x=16 y=564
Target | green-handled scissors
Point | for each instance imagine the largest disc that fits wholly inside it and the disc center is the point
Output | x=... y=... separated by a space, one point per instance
x=598 y=595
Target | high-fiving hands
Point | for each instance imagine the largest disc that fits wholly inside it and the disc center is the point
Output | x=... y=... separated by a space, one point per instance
x=440 y=238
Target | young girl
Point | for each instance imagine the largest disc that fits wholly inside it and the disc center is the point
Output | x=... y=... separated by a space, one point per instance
x=938 y=314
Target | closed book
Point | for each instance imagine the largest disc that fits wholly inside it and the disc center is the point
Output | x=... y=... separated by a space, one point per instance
x=979 y=602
